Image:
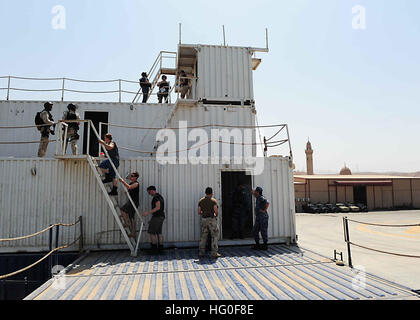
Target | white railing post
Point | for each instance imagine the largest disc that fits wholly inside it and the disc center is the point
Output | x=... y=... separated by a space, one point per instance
x=88 y=137
x=8 y=89
x=62 y=91
x=119 y=90
x=64 y=148
x=100 y=137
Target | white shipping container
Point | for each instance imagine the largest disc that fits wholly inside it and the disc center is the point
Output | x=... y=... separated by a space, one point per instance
x=224 y=73
x=63 y=190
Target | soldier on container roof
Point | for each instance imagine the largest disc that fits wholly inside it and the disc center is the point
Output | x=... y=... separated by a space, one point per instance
x=163 y=89
x=261 y=220
x=145 y=86
x=73 y=127
x=183 y=84
x=208 y=208
x=44 y=120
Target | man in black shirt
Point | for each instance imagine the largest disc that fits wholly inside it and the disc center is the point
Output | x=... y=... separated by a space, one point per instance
x=128 y=209
x=145 y=86
x=163 y=89
x=155 y=224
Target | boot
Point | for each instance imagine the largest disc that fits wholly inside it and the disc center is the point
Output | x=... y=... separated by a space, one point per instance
x=264 y=246
x=113 y=192
x=256 y=246
x=160 y=248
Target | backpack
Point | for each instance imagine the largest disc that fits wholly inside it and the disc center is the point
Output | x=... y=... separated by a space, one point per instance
x=38 y=120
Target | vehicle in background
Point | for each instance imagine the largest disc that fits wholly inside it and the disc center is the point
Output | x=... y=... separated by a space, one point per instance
x=353 y=208
x=342 y=207
x=332 y=208
x=362 y=207
x=310 y=208
x=321 y=208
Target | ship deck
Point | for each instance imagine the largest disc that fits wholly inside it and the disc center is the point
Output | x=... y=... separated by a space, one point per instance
x=281 y=273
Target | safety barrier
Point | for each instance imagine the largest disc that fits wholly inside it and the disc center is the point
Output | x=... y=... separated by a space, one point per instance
x=51 y=250
x=349 y=243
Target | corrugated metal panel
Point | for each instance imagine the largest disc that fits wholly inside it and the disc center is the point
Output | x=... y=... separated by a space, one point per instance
x=224 y=73
x=21 y=113
x=62 y=191
x=281 y=273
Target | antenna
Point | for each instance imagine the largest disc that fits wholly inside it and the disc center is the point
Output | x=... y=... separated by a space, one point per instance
x=180 y=33
x=224 y=36
x=266 y=38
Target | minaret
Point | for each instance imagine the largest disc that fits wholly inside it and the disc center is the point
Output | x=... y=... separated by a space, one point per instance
x=309 y=160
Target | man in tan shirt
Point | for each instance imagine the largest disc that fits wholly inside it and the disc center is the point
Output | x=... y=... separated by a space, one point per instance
x=209 y=210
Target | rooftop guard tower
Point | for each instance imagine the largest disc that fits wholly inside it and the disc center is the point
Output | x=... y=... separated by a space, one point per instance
x=220 y=94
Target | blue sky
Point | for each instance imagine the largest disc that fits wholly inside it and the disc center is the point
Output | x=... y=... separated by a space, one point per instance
x=355 y=93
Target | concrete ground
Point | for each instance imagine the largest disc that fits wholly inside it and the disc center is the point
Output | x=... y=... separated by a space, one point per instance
x=322 y=233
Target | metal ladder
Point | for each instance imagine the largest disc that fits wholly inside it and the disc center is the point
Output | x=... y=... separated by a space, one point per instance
x=111 y=200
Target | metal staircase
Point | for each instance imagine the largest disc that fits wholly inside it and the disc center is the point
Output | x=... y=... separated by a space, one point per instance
x=112 y=202
x=156 y=71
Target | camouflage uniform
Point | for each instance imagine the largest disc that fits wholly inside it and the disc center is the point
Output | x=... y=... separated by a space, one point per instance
x=45 y=133
x=72 y=135
x=209 y=225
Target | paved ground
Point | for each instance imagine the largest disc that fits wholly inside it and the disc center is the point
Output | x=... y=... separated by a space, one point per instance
x=323 y=233
x=281 y=273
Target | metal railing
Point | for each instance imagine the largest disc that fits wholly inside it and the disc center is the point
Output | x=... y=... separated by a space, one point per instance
x=50 y=242
x=349 y=243
x=64 y=88
x=155 y=72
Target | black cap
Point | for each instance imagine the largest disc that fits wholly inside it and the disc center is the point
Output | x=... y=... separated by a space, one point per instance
x=48 y=104
x=259 y=190
x=72 y=106
x=144 y=74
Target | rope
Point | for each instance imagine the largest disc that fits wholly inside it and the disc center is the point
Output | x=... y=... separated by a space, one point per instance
x=275 y=134
x=391 y=253
x=24 y=142
x=386 y=225
x=194 y=127
x=24 y=127
x=192 y=148
x=42 y=231
x=69 y=79
x=39 y=261
x=36 y=90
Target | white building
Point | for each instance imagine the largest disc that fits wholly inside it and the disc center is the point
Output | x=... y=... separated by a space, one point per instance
x=36 y=192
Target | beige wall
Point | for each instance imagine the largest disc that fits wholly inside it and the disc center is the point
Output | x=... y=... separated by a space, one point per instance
x=402 y=193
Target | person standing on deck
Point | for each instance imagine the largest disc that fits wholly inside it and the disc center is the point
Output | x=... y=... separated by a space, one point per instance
x=261 y=220
x=46 y=121
x=208 y=208
x=163 y=89
x=106 y=166
x=156 y=223
x=73 y=127
x=145 y=86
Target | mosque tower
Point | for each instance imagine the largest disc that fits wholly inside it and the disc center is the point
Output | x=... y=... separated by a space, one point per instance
x=309 y=160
